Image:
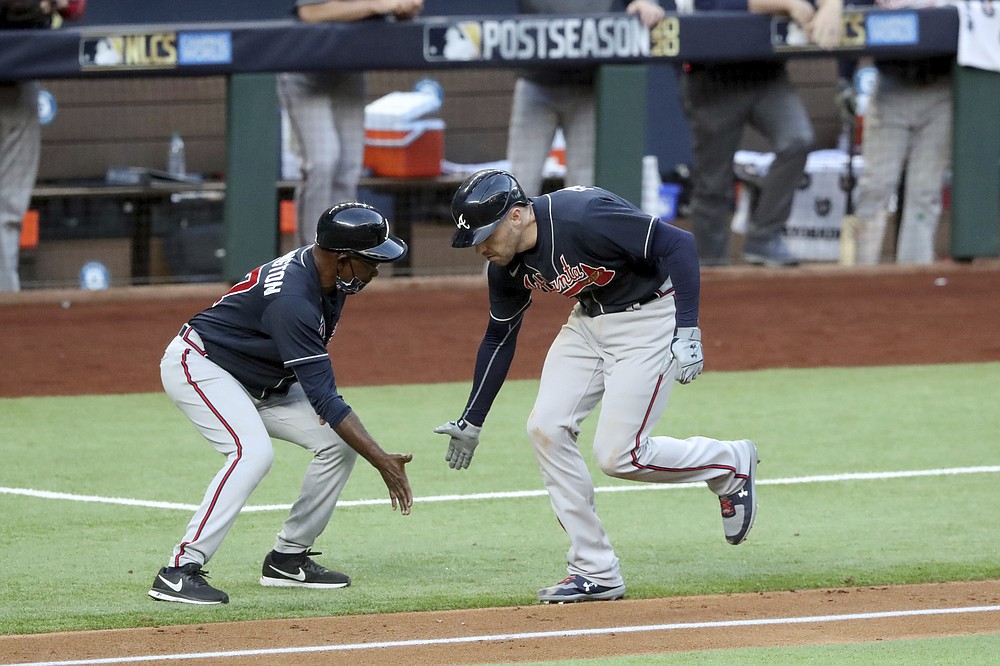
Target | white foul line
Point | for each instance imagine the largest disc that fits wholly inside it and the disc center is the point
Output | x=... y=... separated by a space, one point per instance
x=823 y=478
x=566 y=633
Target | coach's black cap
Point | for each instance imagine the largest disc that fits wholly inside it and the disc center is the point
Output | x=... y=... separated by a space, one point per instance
x=481 y=202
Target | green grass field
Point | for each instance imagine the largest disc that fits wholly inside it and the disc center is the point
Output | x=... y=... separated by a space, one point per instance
x=958 y=651
x=461 y=549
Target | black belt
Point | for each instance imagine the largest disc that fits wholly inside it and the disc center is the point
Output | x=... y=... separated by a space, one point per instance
x=184 y=329
x=642 y=301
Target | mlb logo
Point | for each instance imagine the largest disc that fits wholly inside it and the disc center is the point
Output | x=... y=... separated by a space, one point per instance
x=102 y=51
x=455 y=42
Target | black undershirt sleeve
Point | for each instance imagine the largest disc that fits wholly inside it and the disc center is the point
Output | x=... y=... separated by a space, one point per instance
x=493 y=360
x=681 y=252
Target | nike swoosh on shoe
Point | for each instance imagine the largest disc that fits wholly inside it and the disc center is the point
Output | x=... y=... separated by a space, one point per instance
x=300 y=576
x=176 y=587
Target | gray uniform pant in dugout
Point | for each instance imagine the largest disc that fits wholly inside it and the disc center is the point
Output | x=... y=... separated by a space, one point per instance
x=717 y=112
x=906 y=125
x=20 y=146
x=536 y=112
x=327 y=114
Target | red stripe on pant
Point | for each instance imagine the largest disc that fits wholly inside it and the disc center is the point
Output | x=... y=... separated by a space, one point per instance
x=232 y=467
x=638 y=442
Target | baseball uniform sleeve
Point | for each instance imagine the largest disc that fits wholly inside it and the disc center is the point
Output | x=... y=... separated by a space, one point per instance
x=508 y=302
x=293 y=322
x=320 y=387
x=681 y=253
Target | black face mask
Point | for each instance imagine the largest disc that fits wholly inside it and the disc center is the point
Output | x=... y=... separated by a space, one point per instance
x=352 y=286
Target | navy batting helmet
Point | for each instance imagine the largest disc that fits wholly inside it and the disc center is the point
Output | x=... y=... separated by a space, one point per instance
x=481 y=202
x=358 y=229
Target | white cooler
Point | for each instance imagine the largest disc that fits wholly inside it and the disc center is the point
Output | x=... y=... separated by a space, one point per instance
x=813 y=228
x=399 y=141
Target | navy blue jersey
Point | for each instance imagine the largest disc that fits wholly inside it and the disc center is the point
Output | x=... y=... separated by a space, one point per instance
x=592 y=245
x=271 y=330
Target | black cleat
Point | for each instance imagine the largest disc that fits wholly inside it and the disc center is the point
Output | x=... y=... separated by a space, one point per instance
x=740 y=508
x=186 y=585
x=301 y=571
x=577 y=588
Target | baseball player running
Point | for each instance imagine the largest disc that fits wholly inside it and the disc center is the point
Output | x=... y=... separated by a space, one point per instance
x=254 y=366
x=632 y=332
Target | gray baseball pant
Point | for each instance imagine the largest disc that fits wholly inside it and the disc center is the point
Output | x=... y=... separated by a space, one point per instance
x=717 y=112
x=536 y=112
x=327 y=115
x=622 y=361
x=240 y=427
x=905 y=125
x=20 y=148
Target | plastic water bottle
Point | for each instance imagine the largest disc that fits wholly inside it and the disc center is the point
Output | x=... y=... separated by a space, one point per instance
x=432 y=89
x=176 y=165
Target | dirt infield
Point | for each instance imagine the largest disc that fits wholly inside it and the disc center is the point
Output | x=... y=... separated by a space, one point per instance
x=427 y=330
x=523 y=633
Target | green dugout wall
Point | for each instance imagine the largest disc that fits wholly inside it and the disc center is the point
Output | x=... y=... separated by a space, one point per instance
x=975 y=191
x=253 y=150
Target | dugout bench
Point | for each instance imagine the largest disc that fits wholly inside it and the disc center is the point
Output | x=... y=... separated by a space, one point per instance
x=174 y=218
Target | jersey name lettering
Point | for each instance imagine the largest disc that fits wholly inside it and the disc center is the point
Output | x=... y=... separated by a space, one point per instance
x=572 y=280
x=276 y=273
x=248 y=283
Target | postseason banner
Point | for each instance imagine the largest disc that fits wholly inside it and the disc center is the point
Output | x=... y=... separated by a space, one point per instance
x=460 y=41
x=617 y=37
x=621 y=37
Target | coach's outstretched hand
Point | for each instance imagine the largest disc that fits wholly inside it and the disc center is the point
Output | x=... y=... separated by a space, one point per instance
x=389 y=465
x=394 y=477
x=464 y=440
x=686 y=348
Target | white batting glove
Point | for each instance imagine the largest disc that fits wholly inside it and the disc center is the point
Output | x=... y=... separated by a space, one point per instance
x=464 y=440
x=686 y=348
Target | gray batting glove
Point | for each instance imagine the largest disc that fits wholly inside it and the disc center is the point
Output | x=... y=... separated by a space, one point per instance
x=464 y=440
x=686 y=348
